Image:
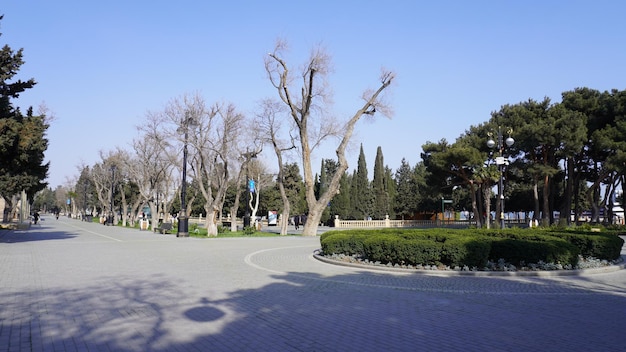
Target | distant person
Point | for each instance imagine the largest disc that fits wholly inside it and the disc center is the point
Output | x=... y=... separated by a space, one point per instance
x=36 y=217
x=296 y=221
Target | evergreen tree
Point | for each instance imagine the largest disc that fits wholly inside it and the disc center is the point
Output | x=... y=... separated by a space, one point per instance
x=361 y=192
x=340 y=205
x=406 y=198
x=45 y=200
x=353 y=214
x=328 y=170
x=294 y=187
x=390 y=187
x=379 y=188
x=22 y=137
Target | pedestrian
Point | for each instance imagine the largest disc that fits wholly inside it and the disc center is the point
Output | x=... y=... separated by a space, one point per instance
x=296 y=221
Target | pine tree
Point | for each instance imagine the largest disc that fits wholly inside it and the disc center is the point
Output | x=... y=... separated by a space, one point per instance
x=406 y=201
x=22 y=137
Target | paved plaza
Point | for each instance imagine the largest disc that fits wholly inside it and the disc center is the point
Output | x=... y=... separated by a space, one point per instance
x=67 y=285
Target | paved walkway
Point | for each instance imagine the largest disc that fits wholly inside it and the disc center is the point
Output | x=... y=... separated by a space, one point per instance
x=73 y=286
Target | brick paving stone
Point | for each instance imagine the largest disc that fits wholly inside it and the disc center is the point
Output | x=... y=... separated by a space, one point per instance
x=74 y=286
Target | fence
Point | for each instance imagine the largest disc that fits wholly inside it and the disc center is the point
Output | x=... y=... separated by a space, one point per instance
x=339 y=223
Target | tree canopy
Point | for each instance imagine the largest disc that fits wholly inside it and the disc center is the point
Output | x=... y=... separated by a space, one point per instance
x=22 y=136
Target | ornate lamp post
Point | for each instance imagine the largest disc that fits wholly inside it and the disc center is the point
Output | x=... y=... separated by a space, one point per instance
x=183 y=219
x=501 y=161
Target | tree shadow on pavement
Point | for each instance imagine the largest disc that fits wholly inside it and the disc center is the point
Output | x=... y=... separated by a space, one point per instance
x=33 y=234
x=361 y=311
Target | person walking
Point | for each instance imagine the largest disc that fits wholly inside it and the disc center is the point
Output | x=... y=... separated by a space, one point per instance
x=296 y=221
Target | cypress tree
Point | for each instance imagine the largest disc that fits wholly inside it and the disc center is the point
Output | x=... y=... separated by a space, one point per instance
x=341 y=205
x=379 y=190
x=390 y=187
x=361 y=192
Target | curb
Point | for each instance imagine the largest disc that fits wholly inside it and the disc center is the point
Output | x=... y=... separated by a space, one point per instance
x=538 y=273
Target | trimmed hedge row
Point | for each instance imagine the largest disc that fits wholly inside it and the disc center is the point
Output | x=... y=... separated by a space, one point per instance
x=471 y=247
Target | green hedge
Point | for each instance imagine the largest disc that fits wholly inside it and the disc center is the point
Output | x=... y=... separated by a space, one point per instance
x=472 y=247
x=594 y=244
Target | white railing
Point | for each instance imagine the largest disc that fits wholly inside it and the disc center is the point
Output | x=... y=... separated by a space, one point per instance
x=346 y=224
x=397 y=223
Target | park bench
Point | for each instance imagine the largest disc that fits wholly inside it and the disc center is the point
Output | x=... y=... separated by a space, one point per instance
x=164 y=228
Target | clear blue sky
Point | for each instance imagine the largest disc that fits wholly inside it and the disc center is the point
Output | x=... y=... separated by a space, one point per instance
x=101 y=65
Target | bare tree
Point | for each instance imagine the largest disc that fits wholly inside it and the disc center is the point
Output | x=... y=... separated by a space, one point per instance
x=108 y=175
x=211 y=134
x=258 y=173
x=102 y=179
x=153 y=164
x=61 y=193
x=244 y=162
x=269 y=122
x=304 y=111
x=120 y=160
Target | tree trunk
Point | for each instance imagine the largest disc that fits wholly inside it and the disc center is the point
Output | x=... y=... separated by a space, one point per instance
x=545 y=218
x=211 y=223
x=566 y=209
x=284 y=221
x=475 y=209
x=537 y=210
x=487 y=202
x=124 y=206
x=155 y=217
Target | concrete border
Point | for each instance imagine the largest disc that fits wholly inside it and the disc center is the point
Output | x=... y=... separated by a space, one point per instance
x=540 y=273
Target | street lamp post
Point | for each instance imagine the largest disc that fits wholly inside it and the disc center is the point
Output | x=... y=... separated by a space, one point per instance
x=501 y=161
x=85 y=200
x=183 y=219
x=112 y=214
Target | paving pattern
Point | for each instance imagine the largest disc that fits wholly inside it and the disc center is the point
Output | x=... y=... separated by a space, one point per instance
x=67 y=285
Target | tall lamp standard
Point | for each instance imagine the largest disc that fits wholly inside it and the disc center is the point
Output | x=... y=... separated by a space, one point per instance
x=501 y=161
x=183 y=219
x=85 y=183
x=112 y=214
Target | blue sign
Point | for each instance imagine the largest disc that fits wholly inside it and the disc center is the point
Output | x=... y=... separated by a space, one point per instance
x=251 y=186
x=69 y=201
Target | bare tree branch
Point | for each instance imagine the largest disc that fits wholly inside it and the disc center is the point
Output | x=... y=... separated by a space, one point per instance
x=313 y=100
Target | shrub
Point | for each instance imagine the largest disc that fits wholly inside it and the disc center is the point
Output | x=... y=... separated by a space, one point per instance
x=550 y=250
x=470 y=251
x=342 y=242
x=594 y=244
x=472 y=247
